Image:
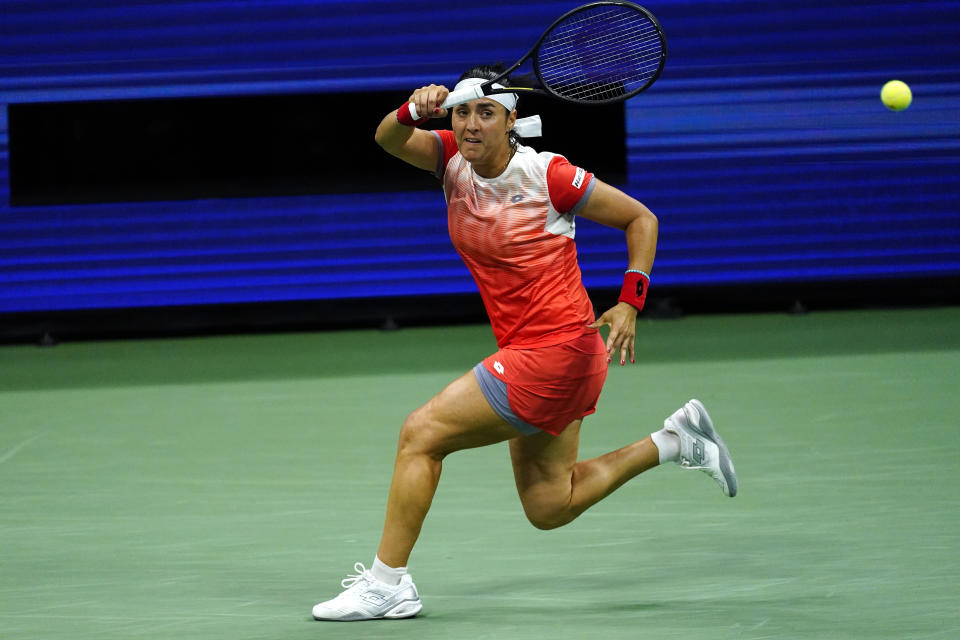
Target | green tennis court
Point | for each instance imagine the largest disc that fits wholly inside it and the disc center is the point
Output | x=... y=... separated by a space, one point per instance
x=219 y=487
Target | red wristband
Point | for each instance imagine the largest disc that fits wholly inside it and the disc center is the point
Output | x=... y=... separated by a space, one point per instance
x=634 y=290
x=405 y=118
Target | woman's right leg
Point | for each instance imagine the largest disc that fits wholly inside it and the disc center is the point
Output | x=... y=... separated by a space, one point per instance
x=459 y=417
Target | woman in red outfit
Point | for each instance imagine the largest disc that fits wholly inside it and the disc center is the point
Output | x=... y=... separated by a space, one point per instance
x=511 y=213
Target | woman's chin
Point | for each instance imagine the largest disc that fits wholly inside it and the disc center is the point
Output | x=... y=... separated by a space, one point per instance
x=471 y=151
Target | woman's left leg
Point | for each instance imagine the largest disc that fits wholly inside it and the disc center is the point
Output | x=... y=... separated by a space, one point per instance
x=555 y=488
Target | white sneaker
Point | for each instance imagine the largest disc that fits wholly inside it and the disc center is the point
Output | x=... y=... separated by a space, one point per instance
x=701 y=446
x=366 y=598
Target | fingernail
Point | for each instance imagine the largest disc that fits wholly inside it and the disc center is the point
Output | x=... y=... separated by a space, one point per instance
x=632 y=361
x=437 y=110
x=623 y=362
x=609 y=360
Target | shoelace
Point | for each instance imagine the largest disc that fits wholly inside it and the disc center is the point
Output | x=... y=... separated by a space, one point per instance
x=353 y=579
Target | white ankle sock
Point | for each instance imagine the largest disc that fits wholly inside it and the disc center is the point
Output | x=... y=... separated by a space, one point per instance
x=668 y=445
x=383 y=573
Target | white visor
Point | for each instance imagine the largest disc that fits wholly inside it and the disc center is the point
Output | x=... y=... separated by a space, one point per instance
x=509 y=100
x=529 y=127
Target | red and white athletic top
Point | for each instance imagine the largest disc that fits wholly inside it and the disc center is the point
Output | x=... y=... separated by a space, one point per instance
x=515 y=234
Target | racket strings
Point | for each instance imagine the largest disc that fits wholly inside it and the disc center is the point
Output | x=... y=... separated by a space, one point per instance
x=608 y=62
x=645 y=61
x=572 y=43
x=619 y=31
x=600 y=54
x=650 y=51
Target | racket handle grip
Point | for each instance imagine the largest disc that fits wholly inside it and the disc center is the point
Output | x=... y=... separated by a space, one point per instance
x=453 y=99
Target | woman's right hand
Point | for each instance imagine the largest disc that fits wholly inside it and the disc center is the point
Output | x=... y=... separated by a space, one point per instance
x=427 y=101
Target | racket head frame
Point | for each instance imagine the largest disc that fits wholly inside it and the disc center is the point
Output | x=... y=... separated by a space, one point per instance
x=535 y=51
x=486 y=88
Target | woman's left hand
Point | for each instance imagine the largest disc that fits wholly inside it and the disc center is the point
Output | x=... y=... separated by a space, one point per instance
x=623 y=330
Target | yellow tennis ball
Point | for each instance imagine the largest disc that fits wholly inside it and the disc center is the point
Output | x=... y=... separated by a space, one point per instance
x=896 y=95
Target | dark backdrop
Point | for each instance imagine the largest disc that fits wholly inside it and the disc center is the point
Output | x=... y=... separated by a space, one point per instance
x=775 y=171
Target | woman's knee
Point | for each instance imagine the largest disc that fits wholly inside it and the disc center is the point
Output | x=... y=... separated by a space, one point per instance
x=418 y=435
x=545 y=518
x=546 y=508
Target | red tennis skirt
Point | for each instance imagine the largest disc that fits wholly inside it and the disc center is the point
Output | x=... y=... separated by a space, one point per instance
x=550 y=387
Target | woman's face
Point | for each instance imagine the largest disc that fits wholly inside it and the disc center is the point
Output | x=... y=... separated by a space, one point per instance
x=480 y=127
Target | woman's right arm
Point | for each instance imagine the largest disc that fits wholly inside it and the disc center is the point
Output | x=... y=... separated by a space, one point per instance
x=412 y=145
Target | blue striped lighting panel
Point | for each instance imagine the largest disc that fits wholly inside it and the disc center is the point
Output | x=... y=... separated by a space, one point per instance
x=764 y=148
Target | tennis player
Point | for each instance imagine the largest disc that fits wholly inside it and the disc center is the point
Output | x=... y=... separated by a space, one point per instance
x=511 y=214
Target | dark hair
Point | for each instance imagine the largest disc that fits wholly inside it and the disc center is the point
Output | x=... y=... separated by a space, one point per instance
x=489 y=72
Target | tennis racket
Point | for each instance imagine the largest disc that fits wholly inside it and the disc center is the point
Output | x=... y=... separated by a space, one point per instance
x=598 y=53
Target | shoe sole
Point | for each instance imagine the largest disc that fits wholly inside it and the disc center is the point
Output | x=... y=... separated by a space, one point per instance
x=401 y=611
x=726 y=463
x=404 y=610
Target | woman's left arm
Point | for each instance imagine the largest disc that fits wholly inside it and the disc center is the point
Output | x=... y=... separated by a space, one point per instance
x=611 y=207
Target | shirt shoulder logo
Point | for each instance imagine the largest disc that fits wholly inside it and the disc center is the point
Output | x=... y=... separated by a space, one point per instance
x=578 y=178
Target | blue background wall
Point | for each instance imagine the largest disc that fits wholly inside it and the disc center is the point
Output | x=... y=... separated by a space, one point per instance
x=763 y=149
